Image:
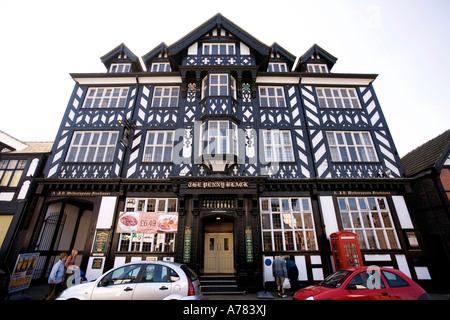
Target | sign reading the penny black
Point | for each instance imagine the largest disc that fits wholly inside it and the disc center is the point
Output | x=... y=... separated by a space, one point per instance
x=217 y=184
x=187 y=244
x=248 y=245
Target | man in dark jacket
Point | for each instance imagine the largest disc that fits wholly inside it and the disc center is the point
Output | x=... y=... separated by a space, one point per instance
x=292 y=272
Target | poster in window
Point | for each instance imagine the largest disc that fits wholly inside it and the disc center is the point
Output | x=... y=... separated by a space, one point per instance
x=147 y=222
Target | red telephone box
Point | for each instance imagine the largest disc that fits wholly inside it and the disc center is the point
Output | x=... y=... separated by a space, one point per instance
x=345 y=247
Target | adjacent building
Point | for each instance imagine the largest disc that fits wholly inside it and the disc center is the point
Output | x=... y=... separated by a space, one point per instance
x=429 y=167
x=20 y=163
x=223 y=152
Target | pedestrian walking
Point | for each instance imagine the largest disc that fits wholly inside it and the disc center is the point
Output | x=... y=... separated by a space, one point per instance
x=55 y=279
x=292 y=272
x=279 y=271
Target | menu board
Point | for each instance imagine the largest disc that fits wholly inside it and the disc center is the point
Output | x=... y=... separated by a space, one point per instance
x=147 y=222
x=100 y=241
x=23 y=272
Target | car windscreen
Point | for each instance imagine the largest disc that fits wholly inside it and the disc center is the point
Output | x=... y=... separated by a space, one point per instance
x=336 y=279
x=191 y=274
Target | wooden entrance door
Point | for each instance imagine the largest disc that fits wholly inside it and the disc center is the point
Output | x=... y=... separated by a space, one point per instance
x=219 y=253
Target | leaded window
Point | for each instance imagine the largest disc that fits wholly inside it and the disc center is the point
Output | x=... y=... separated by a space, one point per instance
x=287 y=224
x=371 y=220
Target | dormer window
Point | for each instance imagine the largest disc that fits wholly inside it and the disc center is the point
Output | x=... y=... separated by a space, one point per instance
x=277 y=67
x=161 y=67
x=317 y=68
x=219 y=49
x=120 y=67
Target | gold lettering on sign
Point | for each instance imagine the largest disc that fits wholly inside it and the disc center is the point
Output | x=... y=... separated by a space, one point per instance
x=218 y=184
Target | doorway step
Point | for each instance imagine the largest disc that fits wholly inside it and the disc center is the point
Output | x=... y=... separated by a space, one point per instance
x=220 y=285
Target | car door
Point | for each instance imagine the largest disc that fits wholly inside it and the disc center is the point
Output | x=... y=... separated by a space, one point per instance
x=155 y=283
x=366 y=285
x=119 y=284
x=399 y=288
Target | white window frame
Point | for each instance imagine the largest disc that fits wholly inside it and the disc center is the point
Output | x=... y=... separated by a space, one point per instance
x=330 y=98
x=219 y=137
x=92 y=146
x=278 y=146
x=222 y=88
x=351 y=146
x=371 y=220
x=158 y=241
x=291 y=221
x=160 y=67
x=270 y=96
x=277 y=67
x=106 y=97
x=164 y=96
x=120 y=67
x=158 y=146
x=317 y=68
x=216 y=49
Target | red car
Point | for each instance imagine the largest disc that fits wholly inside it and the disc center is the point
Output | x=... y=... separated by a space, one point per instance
x=364 y=283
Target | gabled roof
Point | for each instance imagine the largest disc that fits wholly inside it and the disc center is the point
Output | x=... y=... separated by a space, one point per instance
x=154 y=53
x=10 y=145
x=284 y=54
x=218 y=21
x=315 y=49
x=112 y=57
x=431 y=154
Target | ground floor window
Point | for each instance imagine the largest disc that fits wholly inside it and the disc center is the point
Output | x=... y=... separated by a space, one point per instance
x=287 y=224
x=371 y=220
x=163 y=240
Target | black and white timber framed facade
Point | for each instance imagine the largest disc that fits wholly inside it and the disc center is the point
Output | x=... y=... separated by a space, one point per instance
x=251 y=155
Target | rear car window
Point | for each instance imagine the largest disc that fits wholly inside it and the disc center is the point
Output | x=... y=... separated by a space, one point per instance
x=191 y=274
x=394 y=281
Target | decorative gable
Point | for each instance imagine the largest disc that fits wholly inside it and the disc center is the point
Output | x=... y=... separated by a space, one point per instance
x=280 y=59
x=157 y=60
x=315 y=59
x=121 y=59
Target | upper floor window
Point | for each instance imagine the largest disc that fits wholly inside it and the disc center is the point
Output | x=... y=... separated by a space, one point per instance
x=161 y=67
x=271 y=97
x=278 y=146
x=277 y=67
x=120 y=67
x=218 y=138
x=219 y=49
x=106 y=98
x=220 y=84
x=317 y=68
x=351 y=146
x=165 y=97
x=92 y=146
x=11 y=172
x=338 y=98
x=158 y=146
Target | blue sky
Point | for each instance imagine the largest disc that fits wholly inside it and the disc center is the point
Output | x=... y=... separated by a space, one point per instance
x=404 y=41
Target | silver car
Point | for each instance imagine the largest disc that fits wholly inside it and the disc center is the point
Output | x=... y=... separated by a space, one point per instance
x=143 y=280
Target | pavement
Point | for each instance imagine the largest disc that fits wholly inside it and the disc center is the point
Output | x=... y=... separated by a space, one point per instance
x=37 y=291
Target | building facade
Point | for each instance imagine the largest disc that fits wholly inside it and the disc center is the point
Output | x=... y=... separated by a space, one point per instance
x=223 y=152
x=20 y=163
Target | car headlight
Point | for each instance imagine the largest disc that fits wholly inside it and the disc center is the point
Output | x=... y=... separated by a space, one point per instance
x=310 y=298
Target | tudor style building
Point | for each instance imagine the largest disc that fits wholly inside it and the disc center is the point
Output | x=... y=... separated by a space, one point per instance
x=222 y=152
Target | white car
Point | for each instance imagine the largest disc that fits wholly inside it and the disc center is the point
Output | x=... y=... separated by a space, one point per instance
x=143 y=280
